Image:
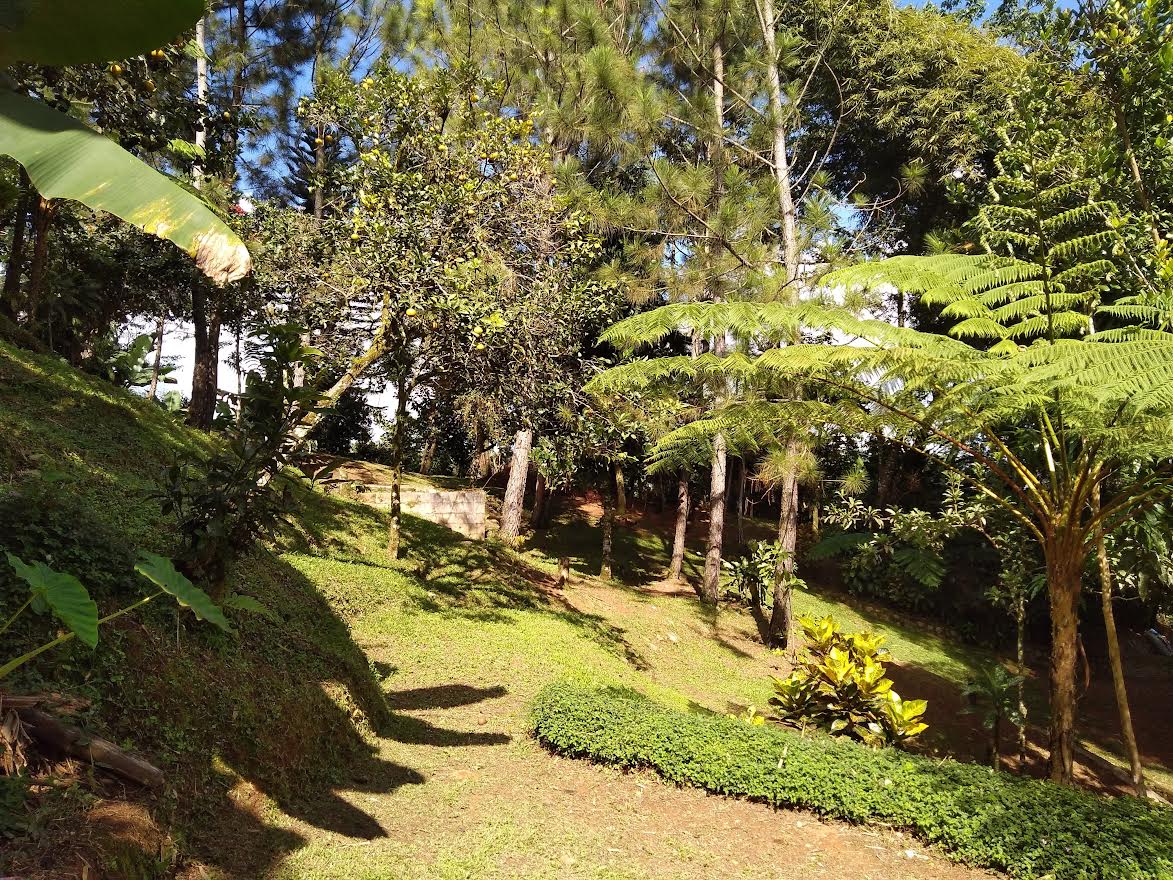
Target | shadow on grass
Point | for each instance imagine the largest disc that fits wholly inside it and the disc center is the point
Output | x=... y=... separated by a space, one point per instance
x=485 y=582
x=638 y=556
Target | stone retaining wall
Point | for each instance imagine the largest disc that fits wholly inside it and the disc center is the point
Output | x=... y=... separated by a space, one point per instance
x=462 y=510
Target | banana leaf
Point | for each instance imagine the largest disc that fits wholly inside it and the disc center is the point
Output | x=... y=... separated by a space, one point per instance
x=65 y=159
x=59 y=32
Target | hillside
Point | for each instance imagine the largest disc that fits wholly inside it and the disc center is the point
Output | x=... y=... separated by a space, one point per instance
x=379 y=727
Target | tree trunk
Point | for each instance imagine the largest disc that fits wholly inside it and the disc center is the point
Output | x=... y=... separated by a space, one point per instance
x=514 y=502
x=782 y=614
x=790 y=256
x=205 y=369
x=158 y=365
x=76 y=743
x=476 y=470
x=1064 y=557
x=549 y=508
x=711 y=585
x=240 y=373
x=202 y=408
x=676 y=567
x=394 y=536
x=14 y=266
x=42 y=220
x=345 y=382
x=741 y=483
x=608 y=528
x=428 y=459
x=1020 y=657
x=319 y=172
x=201 y=131
x=620 y=493
x=787 y=215
x=996 y=743
x=1127 y=734
x=535 y=518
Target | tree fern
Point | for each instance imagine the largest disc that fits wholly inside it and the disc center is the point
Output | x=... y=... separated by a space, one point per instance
x=1023 y=398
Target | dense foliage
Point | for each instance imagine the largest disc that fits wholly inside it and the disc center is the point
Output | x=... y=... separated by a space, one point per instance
x=1029 y=828
x=839 y=684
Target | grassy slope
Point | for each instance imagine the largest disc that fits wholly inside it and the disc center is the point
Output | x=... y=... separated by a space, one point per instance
x=277 y=707
x=260 y=733
x=379 y=731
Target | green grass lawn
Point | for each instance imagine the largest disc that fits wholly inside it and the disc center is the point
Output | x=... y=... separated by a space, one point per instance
x=379 y=727
x=642 y=556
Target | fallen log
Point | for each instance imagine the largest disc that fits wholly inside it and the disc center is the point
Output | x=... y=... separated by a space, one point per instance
x=76 y=743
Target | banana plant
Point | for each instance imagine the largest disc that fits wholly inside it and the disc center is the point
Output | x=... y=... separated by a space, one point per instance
x=65 y=598
x=66 y=159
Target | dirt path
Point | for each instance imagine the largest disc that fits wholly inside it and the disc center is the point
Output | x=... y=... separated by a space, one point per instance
x=492 y=804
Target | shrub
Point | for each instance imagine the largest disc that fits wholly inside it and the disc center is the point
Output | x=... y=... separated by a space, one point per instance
x=225 y=504
x=752 y=576
x=840 y=686
x=1029 y=828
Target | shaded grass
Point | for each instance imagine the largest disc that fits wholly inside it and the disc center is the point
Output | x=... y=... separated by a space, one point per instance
x=642 y=556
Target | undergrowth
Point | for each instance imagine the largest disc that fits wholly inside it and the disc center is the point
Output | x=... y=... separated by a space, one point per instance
x=1030 y=828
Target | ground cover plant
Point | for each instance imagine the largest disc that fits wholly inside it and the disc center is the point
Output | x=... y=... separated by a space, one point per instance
x=1029 y=828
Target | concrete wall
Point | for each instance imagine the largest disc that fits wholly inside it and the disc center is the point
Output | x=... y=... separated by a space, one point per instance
x=462 y=510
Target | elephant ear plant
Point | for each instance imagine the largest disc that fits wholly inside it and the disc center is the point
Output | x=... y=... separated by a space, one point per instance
x=63 y=596
x=65 y=158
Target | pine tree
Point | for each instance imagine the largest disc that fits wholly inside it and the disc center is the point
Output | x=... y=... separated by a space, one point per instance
x=1095 y=399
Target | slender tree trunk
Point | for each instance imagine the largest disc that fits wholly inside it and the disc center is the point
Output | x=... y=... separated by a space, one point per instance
x=996 y=744
x=790 y=257
x=1127 y=734
x=240 y=373
x=676 y=567
x=608 y=527
x=345 y=382
x=202 y=408
x=1020 y=657
x=787 y=215
x=299 y=373
x=42 y=221
x=428 y=459
x=549 y=508
x=741 y=481
x=535 y=518
x=1064 y=558
x=14 y=266
x=394 y=536
x=782 y=614
x=514 y=502
x=205 y=369
x=158 y=364
x=711 y=585
x=319 y=173
x=476 y=469
x=201 y=132
x=620 y=493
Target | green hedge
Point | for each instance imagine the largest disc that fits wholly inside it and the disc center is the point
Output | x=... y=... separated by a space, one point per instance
x=1026 y=827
